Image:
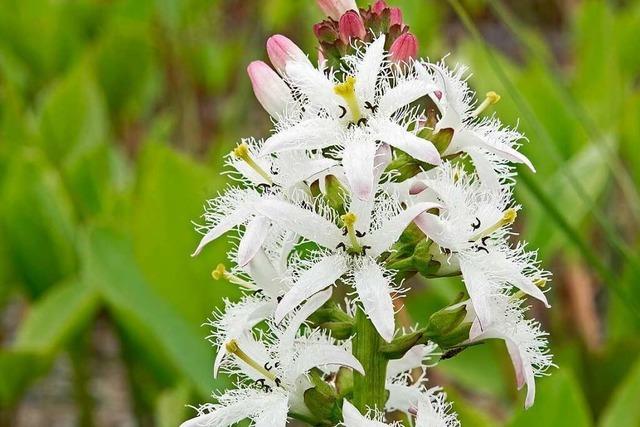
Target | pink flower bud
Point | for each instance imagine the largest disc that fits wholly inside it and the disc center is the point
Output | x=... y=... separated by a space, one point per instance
x=282 y=50
x=396 y=17
x=270 y=90
x=336 y=8
x=351 y=26
x=404 y=48
x=379 y=6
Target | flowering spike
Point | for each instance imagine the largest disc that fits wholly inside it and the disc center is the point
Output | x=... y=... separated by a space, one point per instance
x=404 y=48
x=334 y=9
x=351 y=26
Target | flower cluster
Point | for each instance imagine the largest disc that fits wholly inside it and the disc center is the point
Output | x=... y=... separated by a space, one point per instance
x=380 y=166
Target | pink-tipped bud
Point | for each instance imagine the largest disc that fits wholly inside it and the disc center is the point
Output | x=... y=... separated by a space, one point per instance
x=270 y=90
x=351 y=26
x=336 y=8
x=282 y=50
x=396 y=17
x=379 y=6
x=404 y=48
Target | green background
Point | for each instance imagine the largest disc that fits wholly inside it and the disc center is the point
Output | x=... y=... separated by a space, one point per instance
x=115 y=116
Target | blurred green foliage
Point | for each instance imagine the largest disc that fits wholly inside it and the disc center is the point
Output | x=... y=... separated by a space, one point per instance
x=115 y=115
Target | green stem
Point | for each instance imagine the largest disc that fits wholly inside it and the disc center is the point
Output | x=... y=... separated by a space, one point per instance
x=368 y=390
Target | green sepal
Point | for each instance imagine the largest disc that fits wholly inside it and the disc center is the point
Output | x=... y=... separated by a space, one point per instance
x=322 y=400
x=330 y=312
x=339 y=330
x=344 y=381
x=399 y=346
x=335 y=194
x=446 y=327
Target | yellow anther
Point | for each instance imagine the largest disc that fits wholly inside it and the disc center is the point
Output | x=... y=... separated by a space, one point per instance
x=491 y=99
x=234 y=348
x=541 y=282
x=347 y=90
x=347 y=87
x=219 y=273
x=509 y=216
x=349 y=219
x=242 y=152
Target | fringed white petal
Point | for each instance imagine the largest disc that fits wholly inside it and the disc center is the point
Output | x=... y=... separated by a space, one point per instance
x=485 y=169
x=300 y=316
x=307 y=135
x=432 y=226
x=412 y=359
x=252 y=239
x=314 y=84
x=398 y=137
x=402 y=397
x=319 y=355
x=304 y=222
x=469 y=138
x=403 y=94
x=479 y=288
x=322 y=274
x=384 y=237
x=236 y=218
x=273 y=415
x=358 y=160
x=265 y=275
x=374 y=291
x=368 y=71
x=353 y=418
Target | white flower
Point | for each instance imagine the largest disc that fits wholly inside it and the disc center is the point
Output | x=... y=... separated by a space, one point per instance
x=350 y=253
x=278 y=366
x=367 y=100
x=471 y=231
x=525 y=340
x=456 y=100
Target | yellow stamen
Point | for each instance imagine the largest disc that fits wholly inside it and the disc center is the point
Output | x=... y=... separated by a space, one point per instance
x=347 y=90
x=233 y=348
x=242 y=152
x=491 y=99
x=221 y=272
x=508 y=217
x=541 y=282
x=349 y=219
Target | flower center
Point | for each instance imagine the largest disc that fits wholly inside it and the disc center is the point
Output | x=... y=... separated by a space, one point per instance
x=508 y=217
x=347 y=90
x=490 y=99
x=233 y=348
x=349 y=220
x=242 y=152
x=221 y=272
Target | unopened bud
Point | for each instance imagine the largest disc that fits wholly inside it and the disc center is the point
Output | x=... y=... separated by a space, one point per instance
x=351 y=26
x=271 y=91
x=336 y=8
x=281 y=50
x=395 y=17
x=404 y=48
x=379 y=6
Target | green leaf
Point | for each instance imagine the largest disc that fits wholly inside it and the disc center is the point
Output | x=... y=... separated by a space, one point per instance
x=37 y=221
x=73 y=116
x=623 y=409
x=170 y=193
x=170 y=406
x=18 y=370
x=590 y=168
x=57 y=316
x=110 y=266
x=559 y=401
